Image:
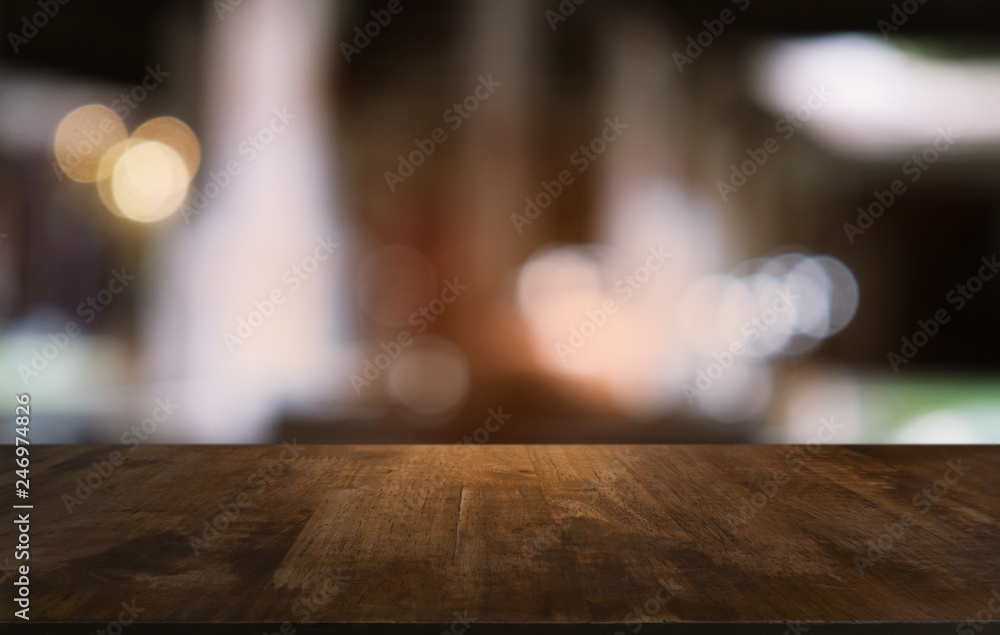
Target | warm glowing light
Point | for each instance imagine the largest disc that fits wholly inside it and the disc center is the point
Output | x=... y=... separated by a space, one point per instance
x=555 y=289
x=82 y=139
x=554 y=272
x=176 y=134
x=149 y=181
x=651 y=350
x=431 y=377
x=105 y=170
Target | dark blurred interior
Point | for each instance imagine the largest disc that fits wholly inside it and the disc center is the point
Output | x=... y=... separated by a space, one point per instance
x=409 y=217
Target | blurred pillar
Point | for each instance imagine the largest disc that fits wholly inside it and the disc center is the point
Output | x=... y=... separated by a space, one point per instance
x=266 y=116
x=491 y=175
x=649 y=198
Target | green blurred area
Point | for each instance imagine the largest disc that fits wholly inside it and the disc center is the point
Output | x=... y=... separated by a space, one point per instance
x=932 y=409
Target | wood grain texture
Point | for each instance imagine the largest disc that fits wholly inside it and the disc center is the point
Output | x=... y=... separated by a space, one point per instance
x=514 y=534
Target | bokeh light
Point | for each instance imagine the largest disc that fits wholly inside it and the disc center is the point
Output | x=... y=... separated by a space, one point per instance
x=144 y=177
x=555 y=289
x=431 y=377
x=83 y=137
x=176 y=134
x=766 y=308
x=149 y=181
x=105 y=170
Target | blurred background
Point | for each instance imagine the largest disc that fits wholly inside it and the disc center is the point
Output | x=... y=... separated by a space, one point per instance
x=523 y=221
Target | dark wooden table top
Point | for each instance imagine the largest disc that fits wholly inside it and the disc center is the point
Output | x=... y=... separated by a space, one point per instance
x=675 y=539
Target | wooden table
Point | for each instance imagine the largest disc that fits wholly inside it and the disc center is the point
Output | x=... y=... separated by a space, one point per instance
x=510 y=539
